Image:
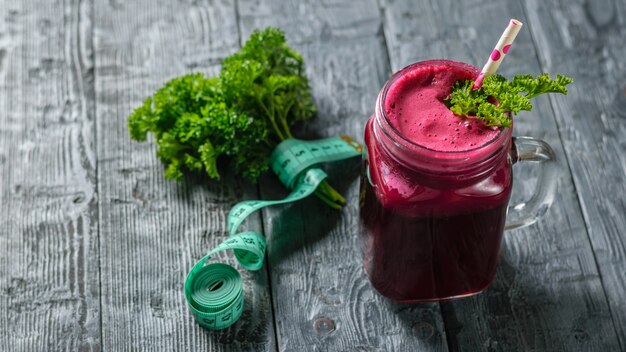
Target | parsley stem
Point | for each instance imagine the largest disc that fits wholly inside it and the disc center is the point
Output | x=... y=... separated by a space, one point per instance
x=321 y=195
x=284 y=123
x=330 y=196
x=270 y=116
x=277 y=130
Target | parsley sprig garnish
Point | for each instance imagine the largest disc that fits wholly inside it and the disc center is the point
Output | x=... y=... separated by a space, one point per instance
x=511 y=96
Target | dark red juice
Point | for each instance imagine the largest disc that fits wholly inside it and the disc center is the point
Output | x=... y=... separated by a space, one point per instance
x=434 y=190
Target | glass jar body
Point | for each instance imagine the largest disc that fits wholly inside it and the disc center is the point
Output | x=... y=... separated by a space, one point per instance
x=431 y=222
x=430 y=243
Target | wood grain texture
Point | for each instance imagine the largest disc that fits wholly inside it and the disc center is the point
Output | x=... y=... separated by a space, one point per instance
x=547 y=295
x=322 y=298
x=95 y=244
x=49 y=295
x=585 y=40
x=153 y=230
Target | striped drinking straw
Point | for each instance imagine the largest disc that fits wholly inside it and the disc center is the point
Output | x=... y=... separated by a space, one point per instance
x=499 y=52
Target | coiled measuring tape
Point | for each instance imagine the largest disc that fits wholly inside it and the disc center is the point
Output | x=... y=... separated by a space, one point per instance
x=214 y=291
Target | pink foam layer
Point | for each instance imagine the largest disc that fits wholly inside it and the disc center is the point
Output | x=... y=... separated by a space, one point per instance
x=415 y=108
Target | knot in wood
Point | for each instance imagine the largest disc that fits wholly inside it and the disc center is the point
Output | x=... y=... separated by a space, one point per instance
x=423 y=331
x=324 y=325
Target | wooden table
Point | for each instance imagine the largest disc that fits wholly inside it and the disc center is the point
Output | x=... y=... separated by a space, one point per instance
x=95 y=244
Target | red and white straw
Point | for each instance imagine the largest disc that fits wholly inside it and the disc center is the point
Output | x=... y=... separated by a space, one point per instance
x=499 y=52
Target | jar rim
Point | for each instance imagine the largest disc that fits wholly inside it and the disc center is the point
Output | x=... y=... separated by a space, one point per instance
x=416 y=147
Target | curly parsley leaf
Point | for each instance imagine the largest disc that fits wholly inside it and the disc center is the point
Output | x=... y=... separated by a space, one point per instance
x=267 y=78
x=180 y=95
x=542 y=84
x=462 y=100
x=511 y=96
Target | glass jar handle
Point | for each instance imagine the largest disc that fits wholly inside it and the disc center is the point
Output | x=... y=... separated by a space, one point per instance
x=535 y=151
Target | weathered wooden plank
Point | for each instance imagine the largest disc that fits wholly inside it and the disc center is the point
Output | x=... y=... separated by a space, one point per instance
x=322 y=298
x=153 y=230
x=547 y=294
x=585 y=39
x=49 y=295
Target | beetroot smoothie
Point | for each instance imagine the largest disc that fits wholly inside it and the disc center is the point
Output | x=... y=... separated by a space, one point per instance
x=435 y=189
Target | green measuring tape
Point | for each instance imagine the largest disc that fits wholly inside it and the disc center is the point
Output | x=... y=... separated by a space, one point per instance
x=214 y=291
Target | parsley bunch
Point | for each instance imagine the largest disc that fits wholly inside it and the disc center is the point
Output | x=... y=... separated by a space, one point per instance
x=238 y=117
x=511 y=96
x=193 y=126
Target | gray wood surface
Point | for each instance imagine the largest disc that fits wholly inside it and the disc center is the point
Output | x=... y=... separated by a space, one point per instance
x=95 y=244
x=49 y=288
x=587 y=40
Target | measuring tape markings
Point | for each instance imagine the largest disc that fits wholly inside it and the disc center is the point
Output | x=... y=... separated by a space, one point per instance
x=292 y=156
x=214 y=292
